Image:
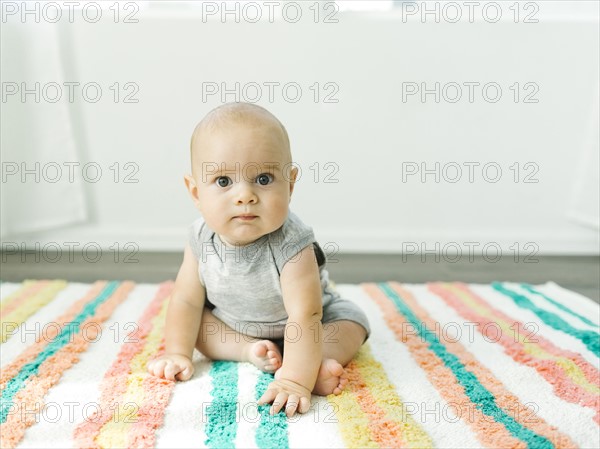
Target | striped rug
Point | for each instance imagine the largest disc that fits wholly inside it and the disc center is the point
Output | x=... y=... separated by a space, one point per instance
x=448 y=365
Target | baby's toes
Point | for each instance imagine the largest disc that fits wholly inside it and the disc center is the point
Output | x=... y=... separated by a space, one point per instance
x=270 y=369
x=260 y=349
x=274 y=359
x=272 y=365
x=335 y=369
x=343 y=382
x=342 y=385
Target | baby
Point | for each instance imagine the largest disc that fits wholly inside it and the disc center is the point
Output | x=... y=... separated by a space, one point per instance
x=253 y=285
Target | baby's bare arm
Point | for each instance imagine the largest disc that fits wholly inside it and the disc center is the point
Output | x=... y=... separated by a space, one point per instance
x=302 y=296
x=184 y=314
x=185 y=308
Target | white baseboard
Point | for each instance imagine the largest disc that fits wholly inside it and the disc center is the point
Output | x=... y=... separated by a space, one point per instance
x=348 y=241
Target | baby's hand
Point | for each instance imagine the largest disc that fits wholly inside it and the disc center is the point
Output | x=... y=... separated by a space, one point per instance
x=171 y=367
x=283 y=391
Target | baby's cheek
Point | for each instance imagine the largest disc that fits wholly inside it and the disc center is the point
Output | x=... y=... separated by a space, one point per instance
x=281 y=209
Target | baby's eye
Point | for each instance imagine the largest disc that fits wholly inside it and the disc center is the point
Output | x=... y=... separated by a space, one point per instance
x=223 y=181
x=264 y=179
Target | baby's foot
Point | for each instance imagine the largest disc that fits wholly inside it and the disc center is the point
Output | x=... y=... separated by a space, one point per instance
x=265 y=355
x=332 y=378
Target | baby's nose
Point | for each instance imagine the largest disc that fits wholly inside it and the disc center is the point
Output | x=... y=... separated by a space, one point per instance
x=245 y=194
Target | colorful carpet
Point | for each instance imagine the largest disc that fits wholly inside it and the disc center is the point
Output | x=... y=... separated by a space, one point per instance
x=448 y=365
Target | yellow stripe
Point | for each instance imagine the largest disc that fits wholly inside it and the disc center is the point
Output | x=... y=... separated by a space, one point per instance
x=352 y=421
x=32 y=305
x=385 y=396
x=531 y=348
x=10 y=298
x=116 y=431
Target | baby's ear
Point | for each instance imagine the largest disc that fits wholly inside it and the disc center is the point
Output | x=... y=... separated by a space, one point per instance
x=192 y=188
x=292 y=178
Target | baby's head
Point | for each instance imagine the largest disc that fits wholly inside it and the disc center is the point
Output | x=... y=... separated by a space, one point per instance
x=241 y=165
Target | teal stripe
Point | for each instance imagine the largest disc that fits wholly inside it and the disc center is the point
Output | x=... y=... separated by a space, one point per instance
x=583 y=319
x=272 y=430
x=221 y=427
x=482 y=398
x=15 y=384
x=590 y=339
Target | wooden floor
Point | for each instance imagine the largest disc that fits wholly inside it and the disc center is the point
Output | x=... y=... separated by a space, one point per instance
x=581 y=274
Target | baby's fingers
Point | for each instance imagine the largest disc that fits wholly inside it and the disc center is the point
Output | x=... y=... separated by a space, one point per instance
x=279 y=402
x=267 y=397
x=172 y=369
x=185 y=374
x=295 y=403
x=157 y=367
x=304 y=405
x=292 y=405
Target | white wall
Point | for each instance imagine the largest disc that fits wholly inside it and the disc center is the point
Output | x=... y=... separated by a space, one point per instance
x=369 y=133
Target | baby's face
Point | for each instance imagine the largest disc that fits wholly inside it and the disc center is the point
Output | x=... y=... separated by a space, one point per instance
x=242 y=169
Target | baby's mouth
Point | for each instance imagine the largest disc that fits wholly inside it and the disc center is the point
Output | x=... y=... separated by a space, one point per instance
x=246 y=217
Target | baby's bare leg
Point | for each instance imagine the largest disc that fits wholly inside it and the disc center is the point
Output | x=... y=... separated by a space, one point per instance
x=341 y=341
x=217 y=341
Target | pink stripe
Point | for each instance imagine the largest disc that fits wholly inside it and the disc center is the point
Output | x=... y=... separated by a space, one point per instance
x=42 y=340
x=23 y=297
x=563 y=386
x=157 y=393
x=150 y=416
x=114 y=384
x=488 y=431
x=52 y=369
x=589 y=371
x=503 y=397
x=383 y=430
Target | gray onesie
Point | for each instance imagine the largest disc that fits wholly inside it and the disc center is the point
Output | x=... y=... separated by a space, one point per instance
x=242 y=283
